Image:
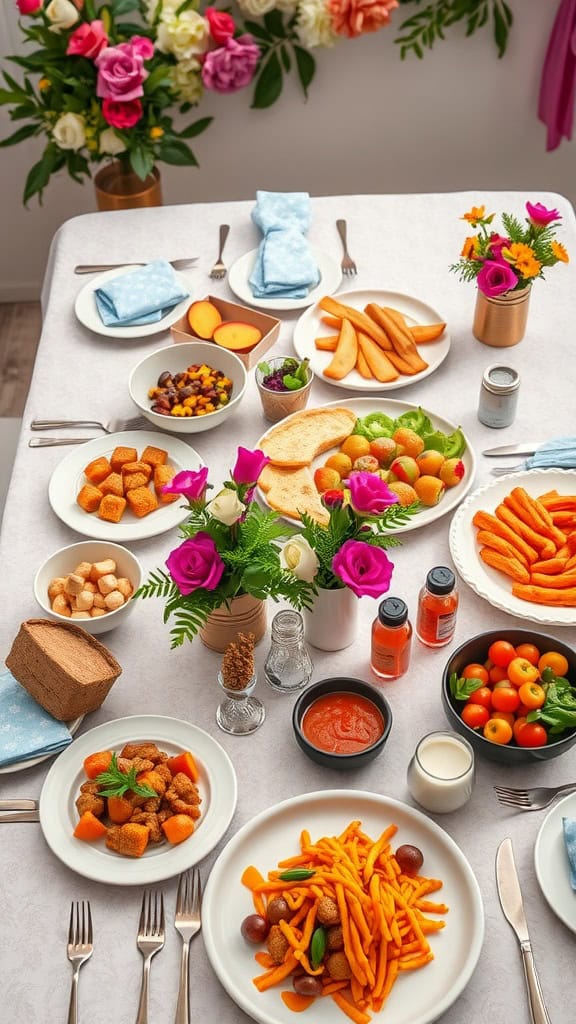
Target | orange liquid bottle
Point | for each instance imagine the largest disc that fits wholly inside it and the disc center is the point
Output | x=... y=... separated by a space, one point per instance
x=391 y=639
x=437 y=607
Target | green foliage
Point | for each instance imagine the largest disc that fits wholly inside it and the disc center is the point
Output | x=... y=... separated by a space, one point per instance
x=427 y=26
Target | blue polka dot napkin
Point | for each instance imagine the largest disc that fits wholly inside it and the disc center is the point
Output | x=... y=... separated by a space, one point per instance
x=26 y=729
x=141 y=296
x=284 y=267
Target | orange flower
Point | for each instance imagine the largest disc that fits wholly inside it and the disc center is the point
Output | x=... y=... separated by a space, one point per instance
x=516 y=252
x=528 y=267
x=356 y=17
x=475 y=215
x=560 y=252
x=470 y=247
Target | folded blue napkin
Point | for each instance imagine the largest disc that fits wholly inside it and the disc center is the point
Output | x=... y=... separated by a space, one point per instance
x=284 y=267
x=569 y=826
x=141 y=296
x=26 y=729
x=559 y=453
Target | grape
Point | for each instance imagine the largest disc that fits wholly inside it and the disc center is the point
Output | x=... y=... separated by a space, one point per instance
x=277 y=910
x=307 y=986
x=410 y=859
x=255 y=928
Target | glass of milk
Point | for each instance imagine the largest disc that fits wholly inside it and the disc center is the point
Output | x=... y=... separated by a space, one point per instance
x=441 y=773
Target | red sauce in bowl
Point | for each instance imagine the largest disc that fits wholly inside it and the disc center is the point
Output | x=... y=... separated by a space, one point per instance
x=342 y=723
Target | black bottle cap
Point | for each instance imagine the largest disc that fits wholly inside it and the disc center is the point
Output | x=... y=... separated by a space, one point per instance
x=440 y=580
x=393 y=611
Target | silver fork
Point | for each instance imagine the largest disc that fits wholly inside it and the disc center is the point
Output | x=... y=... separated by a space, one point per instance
x=219 y=270
x=79 y=949
x=532 y=799
x=348 y=265
x=187 y=922
x=96 y=268
x=504 y=470
x=112 y=427
x=150 y=941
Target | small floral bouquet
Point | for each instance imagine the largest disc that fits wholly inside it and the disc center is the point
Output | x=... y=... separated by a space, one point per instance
x=350 y=550
x=510 y=262
x=229 y=548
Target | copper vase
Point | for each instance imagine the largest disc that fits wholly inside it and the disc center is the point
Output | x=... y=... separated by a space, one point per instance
x=246 y=614
x=119 y=189
x=501 y=321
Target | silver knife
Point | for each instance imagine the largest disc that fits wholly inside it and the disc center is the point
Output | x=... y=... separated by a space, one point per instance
x=19 y=816
x=511 y=902
x=525 y=448
x=51 y=442
x=18 y=805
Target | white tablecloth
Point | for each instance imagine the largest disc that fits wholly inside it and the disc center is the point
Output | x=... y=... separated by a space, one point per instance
x=401 y=243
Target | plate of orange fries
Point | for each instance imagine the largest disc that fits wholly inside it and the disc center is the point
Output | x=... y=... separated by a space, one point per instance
x=412 y=943
x=514 y=543
x=372 y=340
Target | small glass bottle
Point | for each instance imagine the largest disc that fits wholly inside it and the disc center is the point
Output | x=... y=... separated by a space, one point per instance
x=498 y=396
x=437 y=607
x=391 y=639
x=288 y=664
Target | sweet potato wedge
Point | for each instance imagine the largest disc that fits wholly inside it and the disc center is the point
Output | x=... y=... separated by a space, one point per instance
x=398 y=333
x=358 y=320
x=362 y=366
x=327 y=343
x=344 y=358
x=423 y=333
x=378 y=362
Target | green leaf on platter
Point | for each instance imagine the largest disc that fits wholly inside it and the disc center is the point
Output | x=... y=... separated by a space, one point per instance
x=306 y=66
x=25 y=132
x=268 y=83
x=177 y=153
x=196 y=128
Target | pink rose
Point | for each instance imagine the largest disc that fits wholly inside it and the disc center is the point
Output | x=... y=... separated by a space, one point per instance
x=540 y=215
x=369 y=494
x=142 y=46
x=190 y=483
x=249 y=465
x=355 y=17
x=231 y=66
x=497 y=243
x=196 y=563
x=29 y=6
x=365 y=568
x=496 y=278
x=121 y=72
x=87 y=40
x=221 y=24
x=120 y=114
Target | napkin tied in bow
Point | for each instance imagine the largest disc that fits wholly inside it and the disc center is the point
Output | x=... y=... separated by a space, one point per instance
x=141 y=296
x=285 y=266
x=557 y=454
x=26 y=729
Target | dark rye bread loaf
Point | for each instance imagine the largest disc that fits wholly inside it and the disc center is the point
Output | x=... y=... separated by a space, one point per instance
x=62 y=666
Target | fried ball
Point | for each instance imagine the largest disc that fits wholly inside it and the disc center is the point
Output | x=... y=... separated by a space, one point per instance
x=334 y=938
x=277 y=944
x=338 y=967
x=327 y=912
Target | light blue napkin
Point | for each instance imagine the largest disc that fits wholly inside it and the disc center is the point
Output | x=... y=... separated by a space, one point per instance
x=26 y=729
x=284 y=267
x=569 y=826
x=559 y=453
x=141 y=296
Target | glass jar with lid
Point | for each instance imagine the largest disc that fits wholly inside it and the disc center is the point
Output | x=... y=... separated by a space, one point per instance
x=288 y=664
x=498 y=396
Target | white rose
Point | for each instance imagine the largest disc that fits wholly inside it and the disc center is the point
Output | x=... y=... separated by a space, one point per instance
x=187 y=80
x=70 y=131
x=166 y=7
x=62 y=14
x=226 y=507
x=185 y=35
x=109 y=143
x=299 y=558
x=314 y=25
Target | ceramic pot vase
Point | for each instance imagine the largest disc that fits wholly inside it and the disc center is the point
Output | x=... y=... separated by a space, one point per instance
x=245 y=614
x=332 y=624
x=501 y=321
x=117 y=189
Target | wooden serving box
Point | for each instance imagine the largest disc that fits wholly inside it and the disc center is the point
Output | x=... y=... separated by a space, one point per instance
x=269 y=325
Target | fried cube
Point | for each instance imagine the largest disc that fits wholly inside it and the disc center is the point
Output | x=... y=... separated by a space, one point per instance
x=102 y=569
x=112 y=508
x=154 y=456
x=120 y=456
x=133 y=480
x=97 y=470
x=89 y=497
x=163 y=475
x=113 y=484
x=137 y=467
x=141 y=501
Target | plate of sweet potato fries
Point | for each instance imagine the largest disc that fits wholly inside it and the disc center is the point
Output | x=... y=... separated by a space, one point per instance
x=514 y=543
x=372 y=340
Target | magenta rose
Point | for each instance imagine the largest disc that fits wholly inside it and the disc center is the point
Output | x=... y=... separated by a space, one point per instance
x=496 y=278
x=364 y=568
x=122 y=115
x=369 y=494
x=496 y=244
x=249 y=465
x=29 y=6
x=231 y=66
x=88 y=40
x=121 y=73
x=191 y=483
x=142 y=46
x=540 y=215
x=221 y=25
x=196 y=563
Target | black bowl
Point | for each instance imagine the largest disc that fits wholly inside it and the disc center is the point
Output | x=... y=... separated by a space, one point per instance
x=341 y=684
x=476 y=650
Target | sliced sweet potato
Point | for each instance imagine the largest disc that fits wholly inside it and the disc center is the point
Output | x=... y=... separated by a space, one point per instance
x=378 y=362
x=90 y=828
x=178 y=828
x=120 y=809
x=344 y=358
x=237 y=335
x=423 y=333
x=358 y=320
x=184 y=763
x=327 y=343
x=362 y=365
x=204 y=318
x=97 y=762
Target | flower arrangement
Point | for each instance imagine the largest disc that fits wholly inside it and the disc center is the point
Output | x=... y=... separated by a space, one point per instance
x=230 y=547
x=510 y=262
x=105 y=79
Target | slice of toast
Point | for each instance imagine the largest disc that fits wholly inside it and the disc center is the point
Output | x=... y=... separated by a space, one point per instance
x=295 y=442
x=292 y=491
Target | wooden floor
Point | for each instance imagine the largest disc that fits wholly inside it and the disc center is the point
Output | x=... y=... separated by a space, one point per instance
x=20 y=325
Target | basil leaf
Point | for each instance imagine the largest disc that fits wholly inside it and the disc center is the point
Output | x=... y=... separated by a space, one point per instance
x=462 y=689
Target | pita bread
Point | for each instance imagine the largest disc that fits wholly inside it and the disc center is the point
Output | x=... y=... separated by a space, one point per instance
x=292 y=491
x=296 y=441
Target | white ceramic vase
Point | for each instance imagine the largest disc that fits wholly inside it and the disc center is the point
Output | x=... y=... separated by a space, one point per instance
x=332 y=623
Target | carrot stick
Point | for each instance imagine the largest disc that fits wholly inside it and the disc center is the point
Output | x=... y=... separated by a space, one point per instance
x=542 y=544
x=485 y=521
x=356 y=1015
x=545 y=595
x=271 y=978
x=510 y=566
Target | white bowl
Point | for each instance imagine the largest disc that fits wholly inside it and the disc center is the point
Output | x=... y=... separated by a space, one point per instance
x=64 y=561
x=177 y=358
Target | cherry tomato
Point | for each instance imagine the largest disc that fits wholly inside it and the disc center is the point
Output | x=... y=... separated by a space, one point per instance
x=508 y=716
x=528 y=651
x=498 y=731
x=497 y=673
x=520 y=670
x=532 y=695
x=482 y=696
x=505 y=698
x=475 y=715
x=475 y=671
x=554 y=660
x=501 y=653
x=518 y=725
x=532 y=734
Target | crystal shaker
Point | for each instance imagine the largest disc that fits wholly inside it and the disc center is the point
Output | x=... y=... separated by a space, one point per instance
x=288 y=664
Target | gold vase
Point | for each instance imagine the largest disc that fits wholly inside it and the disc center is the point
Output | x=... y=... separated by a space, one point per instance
x=118 y=189
x=501 y=321
x=246 y=614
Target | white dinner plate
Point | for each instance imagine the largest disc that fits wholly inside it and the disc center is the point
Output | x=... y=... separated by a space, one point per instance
x=551 y=862
x=418 y=997
x=29 y=762
x=390 y=407
x=488 y=583
x=310 y=326
x=68 y=478
x=58 y=814
x=239 y=273
x=87 y=311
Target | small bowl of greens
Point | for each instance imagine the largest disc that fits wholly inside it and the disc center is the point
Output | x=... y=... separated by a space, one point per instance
x=283 y=385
